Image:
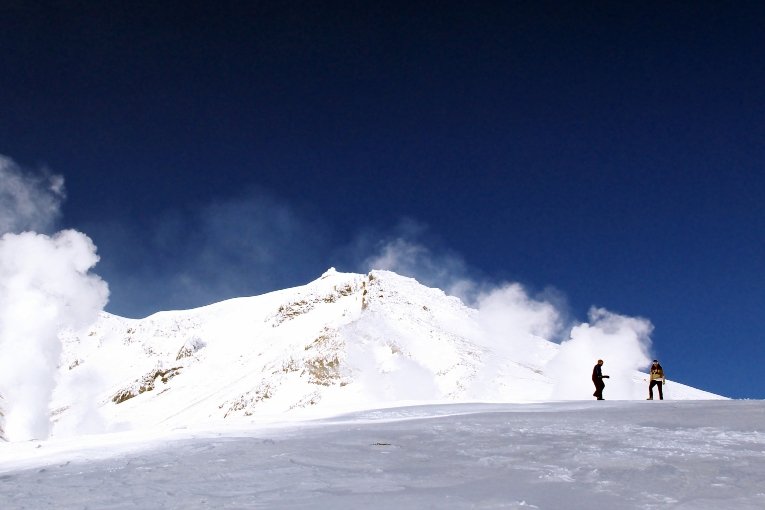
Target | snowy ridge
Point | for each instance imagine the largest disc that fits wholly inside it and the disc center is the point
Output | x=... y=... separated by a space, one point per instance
x=344 y=342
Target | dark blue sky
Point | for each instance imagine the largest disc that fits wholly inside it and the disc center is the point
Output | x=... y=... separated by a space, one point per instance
x=614 y=153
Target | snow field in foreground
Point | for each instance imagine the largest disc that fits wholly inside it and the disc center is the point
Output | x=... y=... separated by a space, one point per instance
x=568 y=455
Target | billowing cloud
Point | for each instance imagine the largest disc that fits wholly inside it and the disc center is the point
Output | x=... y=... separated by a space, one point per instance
x=623 y=343
x=233 y=247
x=28 y=201
x=45 y=287
x=510 y=317
x=507 y=309
x=405 y=253
x=83 y=415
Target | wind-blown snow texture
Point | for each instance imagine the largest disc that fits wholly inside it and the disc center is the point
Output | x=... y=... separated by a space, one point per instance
x=566 y=455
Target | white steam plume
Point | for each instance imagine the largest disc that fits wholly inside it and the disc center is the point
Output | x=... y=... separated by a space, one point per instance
x=83 y=415
x=509 y=320
x=408 y=258
x=621 y=342
x=45 y=286
x=508 y=314
x=238 y=246
x=28 y=202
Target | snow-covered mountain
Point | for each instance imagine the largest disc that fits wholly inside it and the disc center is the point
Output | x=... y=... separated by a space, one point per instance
x=343 y=342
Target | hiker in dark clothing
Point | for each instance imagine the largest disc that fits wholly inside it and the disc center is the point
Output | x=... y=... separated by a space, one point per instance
x=657 y=379
x=597 y=379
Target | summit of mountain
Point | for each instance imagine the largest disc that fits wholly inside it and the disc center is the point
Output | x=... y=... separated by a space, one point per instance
x=343 y=342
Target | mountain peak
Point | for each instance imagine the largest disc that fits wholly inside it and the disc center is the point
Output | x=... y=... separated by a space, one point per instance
x=343 y=342
x=329 y=272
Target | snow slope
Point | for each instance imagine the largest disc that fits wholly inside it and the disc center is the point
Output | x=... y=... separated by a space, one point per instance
x=682 y=455
x=364 y=391
x=344 y=342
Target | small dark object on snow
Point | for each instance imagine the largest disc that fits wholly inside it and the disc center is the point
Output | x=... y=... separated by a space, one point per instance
x=597 y=379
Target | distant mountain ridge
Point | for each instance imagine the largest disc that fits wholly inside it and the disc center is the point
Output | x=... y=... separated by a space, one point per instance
x=343 y=342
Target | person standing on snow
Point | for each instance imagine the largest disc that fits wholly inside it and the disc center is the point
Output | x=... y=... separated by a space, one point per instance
x=597 y=379
x=657 y=379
